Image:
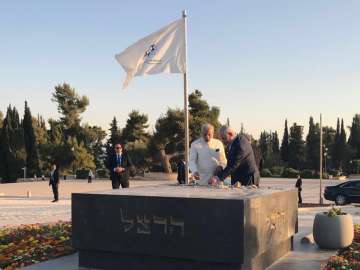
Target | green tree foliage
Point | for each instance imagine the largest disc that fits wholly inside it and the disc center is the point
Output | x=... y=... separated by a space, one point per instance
x=135 y=128
x=32 y=155
x=284 y=149
x=92 y=138
x=12 y=147
x=269 y=148
x=1 y=119
x=340 y=149
x=82 y=159
x=354 y=138
x=312 y=150
x=296 y=147
x=42 y=142
x=329 y=140
x=201 y=113
x=168 y=138
x=275 y=149
x=70 y=106
x=343 y=147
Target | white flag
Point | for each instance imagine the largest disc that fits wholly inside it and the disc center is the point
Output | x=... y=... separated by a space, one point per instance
x=160 y=52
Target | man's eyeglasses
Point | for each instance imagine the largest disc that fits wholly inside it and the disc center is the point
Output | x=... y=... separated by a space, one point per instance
x=117 y=147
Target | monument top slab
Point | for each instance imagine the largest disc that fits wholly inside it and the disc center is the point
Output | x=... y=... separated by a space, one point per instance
x=188 y=191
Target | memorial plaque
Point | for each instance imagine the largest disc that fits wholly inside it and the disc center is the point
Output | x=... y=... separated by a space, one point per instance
x=183 y=227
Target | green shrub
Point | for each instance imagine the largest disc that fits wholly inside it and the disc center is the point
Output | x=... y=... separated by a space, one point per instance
x=82 y=174
x=277 y=170
x=102 y=173
x=290 y=173
x=265 y=173
x=307 y=173
x=334 y=172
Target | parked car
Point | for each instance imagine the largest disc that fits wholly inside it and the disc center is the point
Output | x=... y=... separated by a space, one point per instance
x=348 y=192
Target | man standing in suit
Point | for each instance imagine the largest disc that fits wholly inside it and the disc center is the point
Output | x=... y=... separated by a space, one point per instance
x=54 y=181
x=120 y=166
x=241 y=164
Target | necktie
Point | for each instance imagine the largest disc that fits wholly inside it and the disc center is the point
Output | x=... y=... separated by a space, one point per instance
x=118 y=159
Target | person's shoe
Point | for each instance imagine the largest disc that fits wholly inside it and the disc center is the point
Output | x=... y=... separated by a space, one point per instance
x=54 y=200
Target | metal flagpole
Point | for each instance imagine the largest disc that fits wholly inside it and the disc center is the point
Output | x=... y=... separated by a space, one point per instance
x=186 y=107
x=321 y=160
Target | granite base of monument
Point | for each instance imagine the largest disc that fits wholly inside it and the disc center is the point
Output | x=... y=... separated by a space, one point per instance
x=183 y=227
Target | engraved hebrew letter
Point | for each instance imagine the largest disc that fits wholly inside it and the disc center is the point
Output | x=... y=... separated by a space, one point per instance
x=177 y=223
x=128 y=223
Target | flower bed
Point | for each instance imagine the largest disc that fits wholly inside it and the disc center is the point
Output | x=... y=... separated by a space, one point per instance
x=29 y=244
x=347 y=258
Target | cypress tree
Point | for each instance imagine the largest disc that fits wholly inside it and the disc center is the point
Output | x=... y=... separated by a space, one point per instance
x=32 y=155
x=354 y=139
x=284 y=149
x=335 y=149
x=12 y=152
x=313 y=146
x=343 y=147
x=296 y=147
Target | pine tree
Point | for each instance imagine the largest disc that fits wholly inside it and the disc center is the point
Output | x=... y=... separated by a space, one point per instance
x=284 y=149
x=134 y=130
x=313 y=146
x=296 y=147
x=32 y=155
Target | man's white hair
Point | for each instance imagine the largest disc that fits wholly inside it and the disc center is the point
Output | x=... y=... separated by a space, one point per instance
x=206 y=127
x=224 y=130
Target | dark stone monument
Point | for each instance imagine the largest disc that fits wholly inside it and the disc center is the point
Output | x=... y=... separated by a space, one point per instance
x=183 y=227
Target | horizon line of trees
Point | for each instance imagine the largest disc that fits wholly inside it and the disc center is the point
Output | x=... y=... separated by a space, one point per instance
x=30 y=142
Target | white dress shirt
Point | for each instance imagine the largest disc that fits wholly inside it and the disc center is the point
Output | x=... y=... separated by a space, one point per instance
x=205 y=157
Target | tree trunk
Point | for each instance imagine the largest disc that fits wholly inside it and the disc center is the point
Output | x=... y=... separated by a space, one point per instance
x=165 y=161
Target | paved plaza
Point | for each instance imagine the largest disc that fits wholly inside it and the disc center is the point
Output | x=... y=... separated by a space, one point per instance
x=16 y=208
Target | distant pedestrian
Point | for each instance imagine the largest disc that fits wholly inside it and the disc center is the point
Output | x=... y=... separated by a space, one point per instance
x=54 y=181
x=298 y=185
x=43 y=177
x=90 y=176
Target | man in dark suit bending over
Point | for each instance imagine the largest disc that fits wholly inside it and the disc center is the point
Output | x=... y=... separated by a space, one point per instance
x=120 y=166
x=241 y=164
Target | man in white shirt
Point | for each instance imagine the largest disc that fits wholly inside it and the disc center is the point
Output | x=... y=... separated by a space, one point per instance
x=206 y=155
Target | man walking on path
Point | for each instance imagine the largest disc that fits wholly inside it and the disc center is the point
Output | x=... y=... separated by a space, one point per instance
x=298 y=185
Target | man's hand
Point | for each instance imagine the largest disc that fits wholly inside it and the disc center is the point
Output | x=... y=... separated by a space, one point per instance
x=119 y=169
x=213 y=180
x=196 y=176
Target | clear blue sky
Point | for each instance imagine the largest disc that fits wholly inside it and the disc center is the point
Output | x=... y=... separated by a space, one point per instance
x=259 y=61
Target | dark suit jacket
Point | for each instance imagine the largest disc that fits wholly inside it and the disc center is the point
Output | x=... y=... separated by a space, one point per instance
x=125 y=163
x=241 y=162
x=181 y=172
x=55 y=178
